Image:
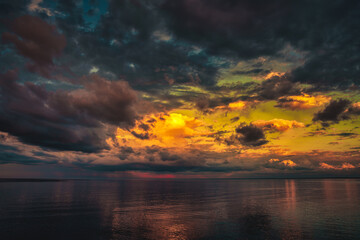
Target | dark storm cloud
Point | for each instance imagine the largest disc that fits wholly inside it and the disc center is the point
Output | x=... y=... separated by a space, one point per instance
x=36 y=40
x=247 y=29
x=128 y=40
x=165 y=42
x=334 y=111
x=250 y=135
x=333 y=44
x=12 y=8
x=108 y=101
x=247 y=135
x=276 y=87
x=64 y=120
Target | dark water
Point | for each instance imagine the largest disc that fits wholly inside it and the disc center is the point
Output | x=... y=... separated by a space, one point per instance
x=181 y=209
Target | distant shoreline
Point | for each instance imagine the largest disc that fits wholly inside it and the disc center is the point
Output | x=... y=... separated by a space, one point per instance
x=157 y=179
x=31 y=180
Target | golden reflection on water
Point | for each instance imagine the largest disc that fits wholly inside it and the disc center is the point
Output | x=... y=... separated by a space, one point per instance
x=180 y=220
x=290 y=189
x=158 y=224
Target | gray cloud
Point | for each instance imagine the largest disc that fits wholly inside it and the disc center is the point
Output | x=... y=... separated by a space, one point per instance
x=65 y=120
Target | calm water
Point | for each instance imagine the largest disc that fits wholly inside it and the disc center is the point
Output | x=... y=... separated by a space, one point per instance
x=181 y=209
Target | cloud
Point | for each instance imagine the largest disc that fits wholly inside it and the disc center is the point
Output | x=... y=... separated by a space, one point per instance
x=223 y=56
x=36 y=40
x=34 y=7
x=232 y=106
x=173 y=129
x=271 y=75
x=130 y=41
x=342 y=167
x=208 y=105
x=65 y=120
x=166 y=156
x=354 y=108
x=249 y=135
x=332 y=61
x=276 y=124
x=141 y=135
x=228 y=27
x=11 y=157
x=202 y=104
x=238 y=105
x=276 y=87
x=245 y=30
x=107 y=101
x=190 y=40
x=276 y=163
x=304 y=101
x=334 y=111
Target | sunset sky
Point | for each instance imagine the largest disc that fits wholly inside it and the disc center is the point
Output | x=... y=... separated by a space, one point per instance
x=179 y=88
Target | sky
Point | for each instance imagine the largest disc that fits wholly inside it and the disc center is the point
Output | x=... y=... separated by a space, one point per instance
x=179 y=89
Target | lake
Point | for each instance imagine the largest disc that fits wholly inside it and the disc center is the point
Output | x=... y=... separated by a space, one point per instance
x=181 y=209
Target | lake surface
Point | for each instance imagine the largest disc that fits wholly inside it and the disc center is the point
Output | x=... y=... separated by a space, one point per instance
x=181 y=209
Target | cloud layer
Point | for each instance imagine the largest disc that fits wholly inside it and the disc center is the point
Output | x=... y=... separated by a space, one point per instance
x=218 y=88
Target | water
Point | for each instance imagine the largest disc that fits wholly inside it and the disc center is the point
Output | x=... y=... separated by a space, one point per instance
x=181 y=209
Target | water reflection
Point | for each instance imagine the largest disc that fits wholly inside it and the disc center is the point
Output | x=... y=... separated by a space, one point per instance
x=181 y=209
x=290 y=189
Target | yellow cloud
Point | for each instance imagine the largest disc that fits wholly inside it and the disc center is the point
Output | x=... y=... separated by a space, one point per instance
x=239 y=105
x=176 y=126
x=304 y=101
x=278 y=124
x=167 y=130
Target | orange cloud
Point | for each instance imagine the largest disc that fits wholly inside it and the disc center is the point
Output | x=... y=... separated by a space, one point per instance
x=355 y=108
x=274 y=74
x=304 y=101
x=343 y=166
x=278 y=124
x=238 y=105
x=286 y=163
x=356 y=105
x=167 y=130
